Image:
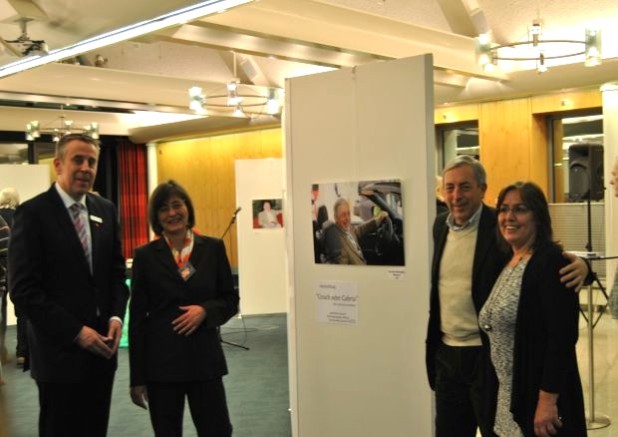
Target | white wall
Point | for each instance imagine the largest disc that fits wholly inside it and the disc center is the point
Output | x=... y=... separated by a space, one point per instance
x=261 y=252
x=371 y=122
x=28 y=180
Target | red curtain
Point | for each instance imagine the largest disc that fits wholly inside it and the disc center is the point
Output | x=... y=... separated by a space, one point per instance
x=133 y=196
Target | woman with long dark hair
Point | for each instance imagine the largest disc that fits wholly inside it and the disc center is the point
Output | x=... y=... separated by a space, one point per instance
x=531 y=319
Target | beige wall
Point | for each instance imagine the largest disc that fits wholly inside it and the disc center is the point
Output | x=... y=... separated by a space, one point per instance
x=205 y=168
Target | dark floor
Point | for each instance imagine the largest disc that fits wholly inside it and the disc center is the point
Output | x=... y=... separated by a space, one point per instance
x=257 y=386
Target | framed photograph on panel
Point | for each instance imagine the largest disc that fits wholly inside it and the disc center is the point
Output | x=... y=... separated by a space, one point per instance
x=267 y=213
x=358 y=223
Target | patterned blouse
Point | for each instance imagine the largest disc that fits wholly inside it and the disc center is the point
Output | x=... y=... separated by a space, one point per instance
x=497 y=318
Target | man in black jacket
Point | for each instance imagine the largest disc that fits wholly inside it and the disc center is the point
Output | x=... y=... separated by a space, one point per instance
x=67 y=275
x=466 y=263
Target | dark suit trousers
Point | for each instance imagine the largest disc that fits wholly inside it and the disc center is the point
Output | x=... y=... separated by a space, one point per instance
x=207 y=403
x=75 y=409
x=461 y=396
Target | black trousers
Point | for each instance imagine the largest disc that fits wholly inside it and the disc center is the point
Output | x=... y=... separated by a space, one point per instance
x=21 y=349
x=461 y=392
x=75 y=409
x=207 y=403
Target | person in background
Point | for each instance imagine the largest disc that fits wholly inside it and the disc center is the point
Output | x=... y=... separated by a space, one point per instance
x=441 y=206
x=267 y=218
x=182 y=292
x=4 y=244
x=9 y=201
x=341 y=241
x=67 y=275
x=531 y=319
x=466 y=263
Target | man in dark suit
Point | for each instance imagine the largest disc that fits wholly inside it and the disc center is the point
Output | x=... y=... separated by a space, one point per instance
x=466 y=263
x=66 y=273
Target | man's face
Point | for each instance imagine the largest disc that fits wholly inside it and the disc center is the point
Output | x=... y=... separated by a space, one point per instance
x=77 y=168
x=343 y=219
x=614 y=180
x=462 y=193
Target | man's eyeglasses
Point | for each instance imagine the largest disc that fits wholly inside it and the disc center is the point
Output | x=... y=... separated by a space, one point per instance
x=518 y=209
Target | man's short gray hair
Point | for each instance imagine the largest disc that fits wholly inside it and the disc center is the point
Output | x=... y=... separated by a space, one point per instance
x=477 y=167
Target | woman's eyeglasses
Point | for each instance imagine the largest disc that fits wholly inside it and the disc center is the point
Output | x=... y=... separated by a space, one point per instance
x=518 y=209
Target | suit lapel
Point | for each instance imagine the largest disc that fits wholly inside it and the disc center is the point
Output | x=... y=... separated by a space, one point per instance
x=163 y=255
x=199 y=250
x=440 y=243
x=349 y=244
x=96 y=227
x=483 y=241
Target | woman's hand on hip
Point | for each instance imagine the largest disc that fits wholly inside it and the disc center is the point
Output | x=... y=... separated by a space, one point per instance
x=188 y=322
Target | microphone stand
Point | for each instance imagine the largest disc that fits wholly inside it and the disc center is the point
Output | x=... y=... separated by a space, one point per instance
x=229 y=226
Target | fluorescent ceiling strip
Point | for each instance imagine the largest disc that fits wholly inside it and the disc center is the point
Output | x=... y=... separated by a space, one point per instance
x=183 y=15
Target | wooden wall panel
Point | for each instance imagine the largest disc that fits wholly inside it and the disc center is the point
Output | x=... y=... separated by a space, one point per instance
x=205 y=167
x=558 y=174
x=505 y=138
x=539 y=153
x=456 y=114
x=566 y=101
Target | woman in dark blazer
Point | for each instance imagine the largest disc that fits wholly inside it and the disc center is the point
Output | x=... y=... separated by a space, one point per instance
x=182 y=290
x=531 y=319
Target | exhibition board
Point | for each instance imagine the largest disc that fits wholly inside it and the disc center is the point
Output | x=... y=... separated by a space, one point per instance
x=361 y=371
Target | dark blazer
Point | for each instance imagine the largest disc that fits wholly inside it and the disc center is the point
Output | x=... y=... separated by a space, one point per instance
x=546 y=332
x=157 y=353
x=51 y=283
x=487 y=265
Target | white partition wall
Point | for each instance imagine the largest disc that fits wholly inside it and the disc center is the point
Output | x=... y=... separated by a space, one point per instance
x=368 y=378
x=261 y=252
x=28 y=180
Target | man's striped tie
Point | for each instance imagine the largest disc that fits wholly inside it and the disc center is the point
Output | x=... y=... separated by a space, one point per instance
x=80 y=227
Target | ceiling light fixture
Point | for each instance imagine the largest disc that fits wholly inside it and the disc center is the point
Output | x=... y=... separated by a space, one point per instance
x=238 y=98
x=538 y=49
x=63 y=127
x=179 y=16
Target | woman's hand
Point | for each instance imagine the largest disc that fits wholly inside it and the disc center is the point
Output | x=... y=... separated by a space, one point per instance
x=546 y=419
x=139 y=396
x=188 y=322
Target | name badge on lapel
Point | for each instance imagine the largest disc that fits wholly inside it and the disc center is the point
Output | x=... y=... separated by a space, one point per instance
x=186 y=271
x=96 y=219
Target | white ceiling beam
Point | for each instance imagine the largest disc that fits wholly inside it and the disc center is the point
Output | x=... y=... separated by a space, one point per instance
x=323 y=24
x=252 y=43
x=458 y=17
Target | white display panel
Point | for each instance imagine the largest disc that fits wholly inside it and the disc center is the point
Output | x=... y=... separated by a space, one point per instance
x=368 y=378
x=261 y=252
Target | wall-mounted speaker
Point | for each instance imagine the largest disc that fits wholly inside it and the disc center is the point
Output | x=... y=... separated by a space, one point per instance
x=586 y=172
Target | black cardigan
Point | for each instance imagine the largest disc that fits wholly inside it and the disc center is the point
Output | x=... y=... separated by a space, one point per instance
x=545 y=336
